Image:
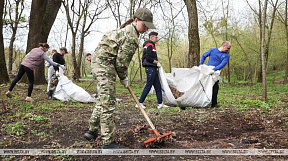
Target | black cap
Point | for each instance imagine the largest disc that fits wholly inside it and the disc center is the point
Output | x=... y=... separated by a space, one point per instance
x=63 y=48
x=153 y=33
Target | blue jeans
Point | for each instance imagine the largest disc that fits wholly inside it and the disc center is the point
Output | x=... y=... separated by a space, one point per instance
x=152 y=79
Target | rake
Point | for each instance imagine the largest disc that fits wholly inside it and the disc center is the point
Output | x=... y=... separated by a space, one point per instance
x=158 y=137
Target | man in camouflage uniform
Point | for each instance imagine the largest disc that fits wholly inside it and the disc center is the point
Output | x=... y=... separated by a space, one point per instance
x=111 y=58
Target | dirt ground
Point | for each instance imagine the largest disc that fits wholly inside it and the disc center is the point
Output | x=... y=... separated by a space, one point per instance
x=205 y=128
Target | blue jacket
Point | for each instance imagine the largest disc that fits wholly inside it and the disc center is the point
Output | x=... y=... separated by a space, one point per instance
x=216 y=58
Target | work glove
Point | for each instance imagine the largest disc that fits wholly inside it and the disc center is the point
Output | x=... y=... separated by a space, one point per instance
x=158 y=65
x=57 y=73
x=124 y=82
x=63 y=67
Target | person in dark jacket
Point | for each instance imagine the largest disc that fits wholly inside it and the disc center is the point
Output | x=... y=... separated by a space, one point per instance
x=32 y=59
x=150 y=62
x=58 y=58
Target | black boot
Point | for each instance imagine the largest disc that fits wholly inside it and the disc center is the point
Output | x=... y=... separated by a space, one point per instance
x=114 y=145
x=215 y=106
x=91 y=135
x=50 y=95
x=183 y=108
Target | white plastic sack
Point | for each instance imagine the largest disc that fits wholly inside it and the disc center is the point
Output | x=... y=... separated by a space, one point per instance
x=66 y=90
x=196 y=83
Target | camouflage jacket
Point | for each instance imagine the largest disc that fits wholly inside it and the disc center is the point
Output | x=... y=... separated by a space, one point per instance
x=117 y=47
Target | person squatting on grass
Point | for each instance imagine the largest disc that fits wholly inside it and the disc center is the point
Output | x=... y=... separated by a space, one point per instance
x=218 y=57
x=151 y=64
x=31 y=60
x=112 y=57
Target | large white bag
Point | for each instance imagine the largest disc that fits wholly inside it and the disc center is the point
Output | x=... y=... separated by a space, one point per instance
x=66 y=90
x=196 y=83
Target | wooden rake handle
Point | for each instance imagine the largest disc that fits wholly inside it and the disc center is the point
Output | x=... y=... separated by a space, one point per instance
x=142 y=110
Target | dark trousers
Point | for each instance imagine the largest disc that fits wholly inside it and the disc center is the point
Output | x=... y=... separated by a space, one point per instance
x=152 y=79
x=215 y=93
x=30 y=74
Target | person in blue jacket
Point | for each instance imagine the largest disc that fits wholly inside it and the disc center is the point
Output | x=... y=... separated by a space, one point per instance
x=218 y=57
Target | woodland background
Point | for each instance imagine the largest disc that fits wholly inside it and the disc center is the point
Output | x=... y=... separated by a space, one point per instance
x=187 y=29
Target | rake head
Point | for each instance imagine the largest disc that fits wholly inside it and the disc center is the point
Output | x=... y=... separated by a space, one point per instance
x=158 y=137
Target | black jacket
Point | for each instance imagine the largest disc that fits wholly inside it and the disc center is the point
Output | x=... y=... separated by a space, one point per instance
x=58 y=58
x=149 y=54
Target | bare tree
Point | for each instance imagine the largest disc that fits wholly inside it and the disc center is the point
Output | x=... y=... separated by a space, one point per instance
x=114 y=6
x=16 y=8
x=42 y=16
x=77 y=19
x=284 y=20
x=169 y=19
x=122 y=11
x=211 y=29
x=3 y=69
x=264 y=84
x=209 y=23
x=270 y=29
x=246 y=58
x=286 y=30
x=193 y=34
x=225 y=19
x=259 y=19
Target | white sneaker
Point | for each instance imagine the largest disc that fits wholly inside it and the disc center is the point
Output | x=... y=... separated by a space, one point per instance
x=141 y=105
x=8 y=94
x=29 y=99
x=161 y=105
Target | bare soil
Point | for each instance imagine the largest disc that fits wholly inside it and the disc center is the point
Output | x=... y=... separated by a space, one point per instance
x=224 y=127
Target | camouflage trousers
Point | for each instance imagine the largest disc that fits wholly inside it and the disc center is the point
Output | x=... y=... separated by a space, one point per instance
x=102 y=118
x=53 y=82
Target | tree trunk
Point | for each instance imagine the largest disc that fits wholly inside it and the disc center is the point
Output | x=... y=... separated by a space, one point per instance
x=260 y=78
x=286 y=28
x=80 y=14
x=226 y=34
x=42 y=16
x=19 y=7
x=140 y=64
x=264 y=85
x=3 y=69
x=193 y=34
x=77 y=73
x=10 y=59
x=74 y=60
x=244 y=77
x=270 y=32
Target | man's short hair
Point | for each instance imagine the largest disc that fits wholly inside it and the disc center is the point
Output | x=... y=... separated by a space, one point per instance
x=153 y=33
x=225 y=43
x=64 y=49
x=88 y=54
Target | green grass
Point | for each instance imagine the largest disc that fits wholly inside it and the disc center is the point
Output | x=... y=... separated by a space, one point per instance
x=252 y=95
x=26 y=106
x=15 y=128
x=38 y=118
x=45 y=108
